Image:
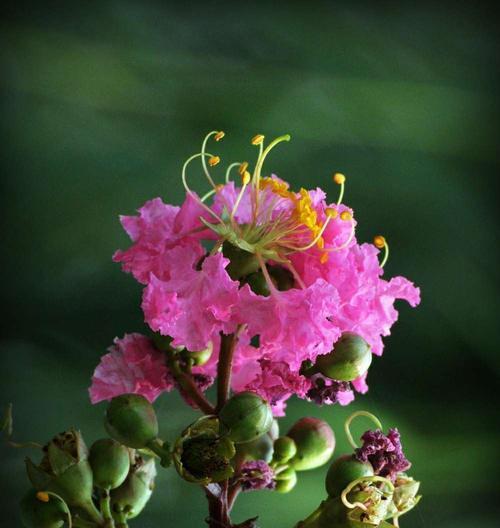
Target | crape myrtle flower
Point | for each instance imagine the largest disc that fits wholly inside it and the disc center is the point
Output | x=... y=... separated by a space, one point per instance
x=254 y=256
x=384 y=452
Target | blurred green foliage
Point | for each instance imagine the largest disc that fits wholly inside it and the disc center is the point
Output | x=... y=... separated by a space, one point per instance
x=102 y=102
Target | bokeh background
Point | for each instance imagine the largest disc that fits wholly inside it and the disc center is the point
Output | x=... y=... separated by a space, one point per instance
x=101 y=104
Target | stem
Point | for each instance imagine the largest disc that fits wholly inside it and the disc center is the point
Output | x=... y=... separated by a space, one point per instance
x=232 y=495
x=189 y=386
x=105 y=505
x=92 y=512
x=78 y=522
x=218 y=513
x=227 y=346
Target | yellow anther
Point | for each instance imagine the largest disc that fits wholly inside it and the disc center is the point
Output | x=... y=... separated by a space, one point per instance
x=324 y=258
x=213 y=161
x=379 y=241
x=43 y=496
x=246 y=177
x=219 y=135
x=321 y=243
x=243 y=167
x=331 y=212
x=219 y=187
x=258 y=139
x=345 y=215
x=339 y=178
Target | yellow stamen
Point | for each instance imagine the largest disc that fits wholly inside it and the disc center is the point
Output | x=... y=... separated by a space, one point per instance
x=214 y=160
x=219 y=135
x=219 y=187
x=243 y=167
x=246 y=177
x=258 y=139
x=379 y=241
x=345 y=215
x=339 y=178
x=43 y=496
x=331 y=212
x=324 y=258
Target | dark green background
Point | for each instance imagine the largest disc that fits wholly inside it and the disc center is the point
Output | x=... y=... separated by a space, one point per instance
x=101 y=103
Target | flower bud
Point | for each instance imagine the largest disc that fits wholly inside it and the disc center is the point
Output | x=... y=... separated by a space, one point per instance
x=259 y=449
x=65 y=470
x=284 y=449
x=343 y=471
x=110 y=462
x=45 y=511
x=201 y=455
x=245 y=417
x=315 y=443
x=131 y=497
x=286 y=480
x=131 y=420
x=350 y=358
x=200 y=357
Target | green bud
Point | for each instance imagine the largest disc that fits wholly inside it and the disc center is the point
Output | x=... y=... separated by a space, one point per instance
x=315 y=443
x=201 y=455
x=286 y=480
x=259 y=449
x=245 y=417
x=241 y=262
x=284 y=449
x=199 y=357
x=65 y=470
x=132 y=496
x=350 y=358
x=131 y=420
x=110 y=462
x=43 y=510
x=343 y=471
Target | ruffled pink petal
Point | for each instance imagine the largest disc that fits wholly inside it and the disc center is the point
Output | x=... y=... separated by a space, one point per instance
x=194 y=304
x=132 y=365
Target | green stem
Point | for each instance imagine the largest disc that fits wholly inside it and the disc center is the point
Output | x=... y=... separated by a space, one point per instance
x=227 y=346
x=189 y=386
x=92 y=512
x=162 y=451
x=105 y=505
x=78 y=522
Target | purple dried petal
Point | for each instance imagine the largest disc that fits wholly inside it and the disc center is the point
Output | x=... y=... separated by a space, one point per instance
x=327 y=392
x=256 y=475
x=385 y=453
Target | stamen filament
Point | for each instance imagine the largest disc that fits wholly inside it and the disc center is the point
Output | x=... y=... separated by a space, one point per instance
x=380 y=242
x=347 y=425
x=203 y=161
x=229 y=169
x=269 y=281
x=339 y=179
x=345 y=244
x=295 y=274
x=354 y=483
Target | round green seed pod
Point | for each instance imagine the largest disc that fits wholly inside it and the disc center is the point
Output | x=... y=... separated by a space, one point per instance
x=259 y=449
x=131 y=420
x=350 y=358
x=284 y=449
x=286 y=481
x=245 y=417
x=315 y=443
x=42 y=510
x=110 y=462
x=343 y=471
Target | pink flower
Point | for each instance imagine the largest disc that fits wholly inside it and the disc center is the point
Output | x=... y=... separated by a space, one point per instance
x=132 y=365
x=276 y=383
x=292 y=325
x=158 y=229
x=192 y=305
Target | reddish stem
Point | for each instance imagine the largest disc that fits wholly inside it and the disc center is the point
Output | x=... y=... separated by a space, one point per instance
x=227 y=347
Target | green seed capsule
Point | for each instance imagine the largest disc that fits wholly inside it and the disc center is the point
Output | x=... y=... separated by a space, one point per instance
x=286 y=481
x=132 y=496
x=42 y=510
x=241 y=263
x=258 y=283
x=350 y=358
x=315 y=443
x=110 y=462
x=245 y=416
x=259 y=449
x=343 y=471
x=131 y=420
x=284 y=449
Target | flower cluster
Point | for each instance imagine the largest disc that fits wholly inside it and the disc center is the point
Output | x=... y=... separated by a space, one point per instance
x=280 y=269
